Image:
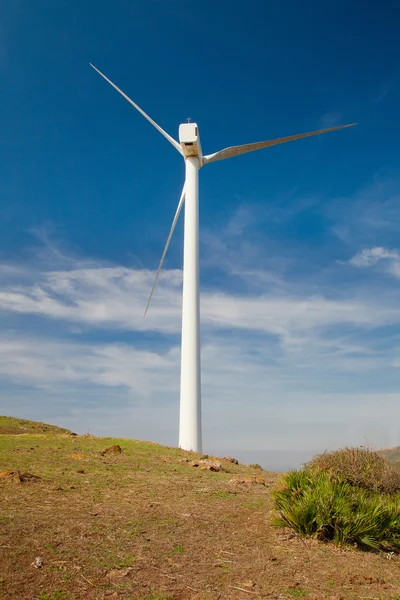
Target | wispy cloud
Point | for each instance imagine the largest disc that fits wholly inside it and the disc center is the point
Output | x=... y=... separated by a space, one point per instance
x=331 y=119
x=386 y=88
x=370 y=216
x=115 y=297
x=369 y=257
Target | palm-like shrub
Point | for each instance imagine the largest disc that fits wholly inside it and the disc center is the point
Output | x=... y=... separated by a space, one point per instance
x=323 y=504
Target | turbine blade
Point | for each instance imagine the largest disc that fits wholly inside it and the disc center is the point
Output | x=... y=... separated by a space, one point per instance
x=171 y=231
x=236 y=150
x=146 y=116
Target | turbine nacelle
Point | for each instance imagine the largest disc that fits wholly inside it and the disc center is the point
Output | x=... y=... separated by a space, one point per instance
x=190 y=140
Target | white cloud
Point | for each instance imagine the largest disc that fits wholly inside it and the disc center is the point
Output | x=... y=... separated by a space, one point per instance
x=369 y=257
x=115 y=296
x=252 y=399
x=282 y=367
x=41 y=362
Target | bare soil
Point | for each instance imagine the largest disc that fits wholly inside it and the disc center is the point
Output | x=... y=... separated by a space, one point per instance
x=146 y=524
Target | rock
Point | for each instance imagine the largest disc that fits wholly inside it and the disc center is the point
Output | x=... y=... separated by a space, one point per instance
x=248 y=584
x=208 y=465
x=114 y=449
x=80 y=457
x=119 y=573
x=24 y=477
x=246 y=481
x=37 y=563
x=18 y=477
x=230 y=459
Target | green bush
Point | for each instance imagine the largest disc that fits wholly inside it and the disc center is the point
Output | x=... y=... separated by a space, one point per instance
x=360 y=467
x=312 y=502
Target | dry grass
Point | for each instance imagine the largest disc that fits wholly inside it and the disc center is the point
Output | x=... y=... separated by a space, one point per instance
x=145 y=525
x=392 y=454
x=362 y=468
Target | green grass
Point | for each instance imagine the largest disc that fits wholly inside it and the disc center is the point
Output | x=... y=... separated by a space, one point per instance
x=158 y=597
x=23 y=426
x=297 y=592
x=226 y=494
x=57 y=595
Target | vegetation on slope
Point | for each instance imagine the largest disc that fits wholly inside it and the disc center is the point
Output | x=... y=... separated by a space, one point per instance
x=13 y=426
x=350 y=496
x=392 y=455
x=146 y=524
x=360 y=467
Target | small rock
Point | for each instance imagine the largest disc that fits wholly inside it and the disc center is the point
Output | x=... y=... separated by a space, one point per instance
x=37 y=563
x=230 y=459
x=80 y=470
x=208 y=465
x=18 y=477
x=119 y=573
x=114 y=449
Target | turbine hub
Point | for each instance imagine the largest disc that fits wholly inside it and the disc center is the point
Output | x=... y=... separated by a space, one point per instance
x=190 y=140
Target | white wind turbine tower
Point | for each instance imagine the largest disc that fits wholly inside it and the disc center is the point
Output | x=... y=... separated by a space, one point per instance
x=190 y=436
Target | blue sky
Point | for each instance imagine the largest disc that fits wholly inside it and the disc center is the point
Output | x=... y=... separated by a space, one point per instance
x=300 y=251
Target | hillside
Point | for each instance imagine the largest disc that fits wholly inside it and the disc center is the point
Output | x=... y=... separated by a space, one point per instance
x=147 y=524
x=392 y=454
x=10 y=425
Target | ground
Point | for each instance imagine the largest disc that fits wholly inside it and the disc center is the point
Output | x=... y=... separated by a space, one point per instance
x=145 y=524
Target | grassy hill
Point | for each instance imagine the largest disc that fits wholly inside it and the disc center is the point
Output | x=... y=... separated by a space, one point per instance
x=146 y=524
x=10 y=425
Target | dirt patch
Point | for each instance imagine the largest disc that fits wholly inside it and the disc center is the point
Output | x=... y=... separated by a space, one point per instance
x=80 y=457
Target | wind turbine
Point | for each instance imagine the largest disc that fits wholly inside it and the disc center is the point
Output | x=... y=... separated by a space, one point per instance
x=190 y=435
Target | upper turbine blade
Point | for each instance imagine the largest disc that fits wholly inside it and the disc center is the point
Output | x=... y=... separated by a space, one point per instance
x=236 y=150
x=174 y=222
x=146 y=116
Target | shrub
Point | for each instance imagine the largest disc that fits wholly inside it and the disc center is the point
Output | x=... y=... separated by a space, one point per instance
x=256 y=466
x=313 y=503
x=360 y=467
